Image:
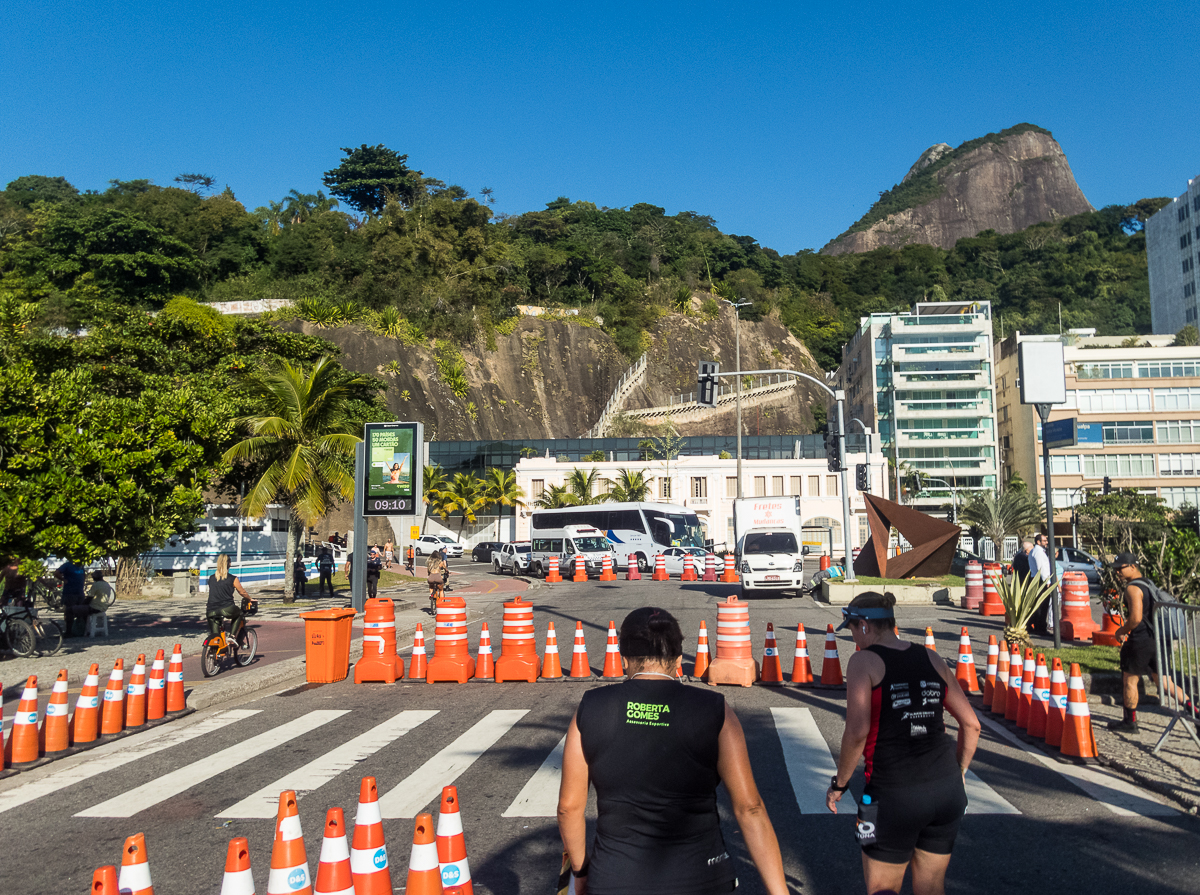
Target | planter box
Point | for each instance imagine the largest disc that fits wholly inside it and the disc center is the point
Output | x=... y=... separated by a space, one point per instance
x=906 y=594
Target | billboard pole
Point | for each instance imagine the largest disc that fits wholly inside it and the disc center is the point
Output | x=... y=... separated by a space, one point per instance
x=358 y=571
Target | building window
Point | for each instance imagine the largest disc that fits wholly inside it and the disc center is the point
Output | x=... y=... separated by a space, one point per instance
x=664 y=488
x=731 y=486
x=1140 y=432
x=814 y=486
x=1104 y=371
x=1185 y=240
x=1112 y=400
x=777 y=486
x=1177 y=497
x=831 y=486
x=1188 y=264
x=1179 y=464
x=864 y=529
x=1096 y=466
x=760 y=486
x=795 y=492
x=1183 y=212
x=537 y=489
x=1189 y=289
x=729 y=537
x=1176 y=399
x=1179 y=432
x=699 y=486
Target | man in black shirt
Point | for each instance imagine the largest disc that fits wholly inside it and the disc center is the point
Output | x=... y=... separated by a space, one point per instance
x=299 y=577
x=326 y=567
x=374 y=567
x=1020 y=562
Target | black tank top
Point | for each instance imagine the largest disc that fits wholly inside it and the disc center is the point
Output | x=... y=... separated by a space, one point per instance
x=651 y=748
x=220 y=593
x=908 y=742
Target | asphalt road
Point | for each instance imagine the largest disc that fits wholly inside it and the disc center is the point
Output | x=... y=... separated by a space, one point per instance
x=1037 y=825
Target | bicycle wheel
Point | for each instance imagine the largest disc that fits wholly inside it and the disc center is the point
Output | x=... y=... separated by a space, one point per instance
x=247 y=646
x=209 y=665
x=48 y=594
x=49 y=637
x=21 y=638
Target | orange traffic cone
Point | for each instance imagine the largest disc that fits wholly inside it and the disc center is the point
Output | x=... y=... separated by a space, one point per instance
x=1015 y=676
x=930 y=643
x=612 y=654
x=485 y=665
x=701 y=665
x=801 y=666
x=135 y=694
x=1056 y=710
x=989 y=678
x=135 y=868
x=580 y=568
x=580 y=667
x=831 y=667
x=56 y=727
x=1000 y=691
x=552 y=574
x=1078 y=741
x=156 y=688
x=729 y=574
x=368 y=851
x=104 y=881
x=660 y=568
x=238 y=879
x=289 y=863
x=772 y=671
x=1039 y=711
x=112 y=713
x=333 y=867
x=85 y=723
x=632 y=573
x=424 y=874
x=417 y=665
x=965 y=673
x=606 y=571
x=551 y=667
x=451 y=846
x=176 y=697
x=1026 y=698
x=23 y=740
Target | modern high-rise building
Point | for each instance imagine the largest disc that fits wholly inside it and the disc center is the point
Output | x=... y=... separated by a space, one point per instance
x=1172 y=245
x=923 y=380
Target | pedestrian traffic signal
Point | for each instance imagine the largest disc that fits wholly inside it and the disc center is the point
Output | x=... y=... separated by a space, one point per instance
x=1107 y=485
x=862 y=477
x=832 y=453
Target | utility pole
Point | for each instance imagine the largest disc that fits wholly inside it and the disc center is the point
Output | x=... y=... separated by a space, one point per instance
x=737 y=341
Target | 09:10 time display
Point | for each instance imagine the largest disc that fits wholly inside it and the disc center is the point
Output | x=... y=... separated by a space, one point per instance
x=399 y=505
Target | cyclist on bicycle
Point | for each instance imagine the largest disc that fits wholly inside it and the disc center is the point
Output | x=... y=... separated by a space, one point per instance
x=221 y=605
x=435 y=568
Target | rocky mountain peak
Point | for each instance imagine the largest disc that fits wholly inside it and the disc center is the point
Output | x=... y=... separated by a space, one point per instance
x=928 y=157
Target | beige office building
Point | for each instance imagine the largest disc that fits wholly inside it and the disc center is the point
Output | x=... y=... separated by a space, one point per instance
x=1145 y=399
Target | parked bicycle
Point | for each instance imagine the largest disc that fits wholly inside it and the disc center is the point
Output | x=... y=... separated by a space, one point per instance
x=22 y=631
x=47 y=591
x=220 y=648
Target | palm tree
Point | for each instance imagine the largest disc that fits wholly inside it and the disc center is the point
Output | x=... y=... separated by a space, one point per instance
x=555 y=497
x=630 y=487
x=582 y=484
x=465 y=494
x=303 y=435
x=1001 y=513
x=433 y=483
x=500 y=486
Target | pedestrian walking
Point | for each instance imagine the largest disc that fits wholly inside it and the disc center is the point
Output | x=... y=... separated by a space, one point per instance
x=388 y=554
x=325 y=569
x=655 y=751
x=914 y=798
x=74 y=600
x=299 y=577
x=1039 y=564
x=410 y=559
x=374 y=567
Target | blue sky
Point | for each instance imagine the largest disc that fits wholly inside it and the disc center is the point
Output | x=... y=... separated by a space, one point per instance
x=781 y=121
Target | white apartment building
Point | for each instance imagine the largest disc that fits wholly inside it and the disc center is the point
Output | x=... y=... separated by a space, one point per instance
x=708 y=485
x=1139 y=412
x=1172 y=245
x=924 y=381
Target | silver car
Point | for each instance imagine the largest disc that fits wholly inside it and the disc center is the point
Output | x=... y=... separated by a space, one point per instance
x=1072 y=559
x=512 y=558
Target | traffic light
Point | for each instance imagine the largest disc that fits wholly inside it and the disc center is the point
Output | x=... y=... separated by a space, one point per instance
x=1107 y=485
x=831 y=452
x=862 y=477
x=706 y=383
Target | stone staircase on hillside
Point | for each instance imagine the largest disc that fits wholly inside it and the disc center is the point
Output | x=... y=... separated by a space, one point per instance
x=633 y=377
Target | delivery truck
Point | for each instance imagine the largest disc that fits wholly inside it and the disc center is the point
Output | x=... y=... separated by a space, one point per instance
x=768 y=552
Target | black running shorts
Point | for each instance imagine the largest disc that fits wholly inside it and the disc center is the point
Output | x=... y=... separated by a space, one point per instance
x=1137 y=652
x=924 y=816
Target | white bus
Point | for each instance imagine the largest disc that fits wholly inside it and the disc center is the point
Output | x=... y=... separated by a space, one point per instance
x=641 y=529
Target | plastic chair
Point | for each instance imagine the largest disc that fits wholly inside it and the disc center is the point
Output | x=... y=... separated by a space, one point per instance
x=97 y=622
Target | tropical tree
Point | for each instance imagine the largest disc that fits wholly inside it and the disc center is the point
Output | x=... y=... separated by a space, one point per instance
x=433 y=483
x=999 y=514
x=630 y=487
x=555 y=497
x=371 y=176
x=465 y=494
x=500 y=485
x=582 y=484
x=303 y=436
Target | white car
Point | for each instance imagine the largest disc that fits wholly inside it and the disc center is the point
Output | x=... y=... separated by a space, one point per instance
x=675 y=558
x=512 y=558
x=427 y=544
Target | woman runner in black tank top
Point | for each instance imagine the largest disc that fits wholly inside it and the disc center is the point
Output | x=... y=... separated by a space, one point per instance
x=655 y=750
x=914 y=798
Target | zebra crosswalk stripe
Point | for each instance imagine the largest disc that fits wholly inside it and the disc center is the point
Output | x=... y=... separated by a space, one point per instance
x=982 y=799
x=319 y=771
x=117 y=754
x=159 y=790
x=410 y=796
x=808 y=759
x=539 y=797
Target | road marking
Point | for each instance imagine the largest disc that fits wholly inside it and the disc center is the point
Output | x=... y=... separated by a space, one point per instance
x=539 y=797
x=982 y=799
x=409 y=797
x=117 y=754
x=150 y=794
x=809 y=761
x=1117 y=795
x=317 y=773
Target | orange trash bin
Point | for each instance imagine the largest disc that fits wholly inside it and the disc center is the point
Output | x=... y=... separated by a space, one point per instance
x=327 y=635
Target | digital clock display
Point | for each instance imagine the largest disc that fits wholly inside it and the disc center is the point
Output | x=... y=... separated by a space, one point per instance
x=394 y=456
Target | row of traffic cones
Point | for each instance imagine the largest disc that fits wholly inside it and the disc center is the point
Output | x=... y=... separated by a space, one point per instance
x=438 y=862
x=728 y=573
x=125 y=707
x=1040 y=701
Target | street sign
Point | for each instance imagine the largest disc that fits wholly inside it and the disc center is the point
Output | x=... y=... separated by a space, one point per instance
x=414 y=531
x=706 y=383
x=1059 y=433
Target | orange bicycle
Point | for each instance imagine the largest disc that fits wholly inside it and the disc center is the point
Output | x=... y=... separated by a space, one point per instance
x=220 y=648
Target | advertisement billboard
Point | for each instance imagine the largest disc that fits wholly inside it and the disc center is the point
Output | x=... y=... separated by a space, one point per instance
x=395 y=456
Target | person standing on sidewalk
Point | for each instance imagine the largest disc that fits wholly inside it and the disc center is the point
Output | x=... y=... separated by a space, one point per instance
x=299 y=577
x=325 y=569
x=374 y=567
x=389 y=554
x=1039 y=565
x=75 y=608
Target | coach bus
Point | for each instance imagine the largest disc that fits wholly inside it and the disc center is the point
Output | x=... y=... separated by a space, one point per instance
x=640 y=529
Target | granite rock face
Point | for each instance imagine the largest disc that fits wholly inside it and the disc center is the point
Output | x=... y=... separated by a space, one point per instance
x=1008 y=182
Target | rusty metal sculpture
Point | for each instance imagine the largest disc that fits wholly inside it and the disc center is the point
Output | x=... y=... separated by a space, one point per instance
x=933 y=542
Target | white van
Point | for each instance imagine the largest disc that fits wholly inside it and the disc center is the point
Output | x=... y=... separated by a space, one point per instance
x=566 y=543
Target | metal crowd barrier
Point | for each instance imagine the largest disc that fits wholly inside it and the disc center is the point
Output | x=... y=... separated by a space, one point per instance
x=1177 y=652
